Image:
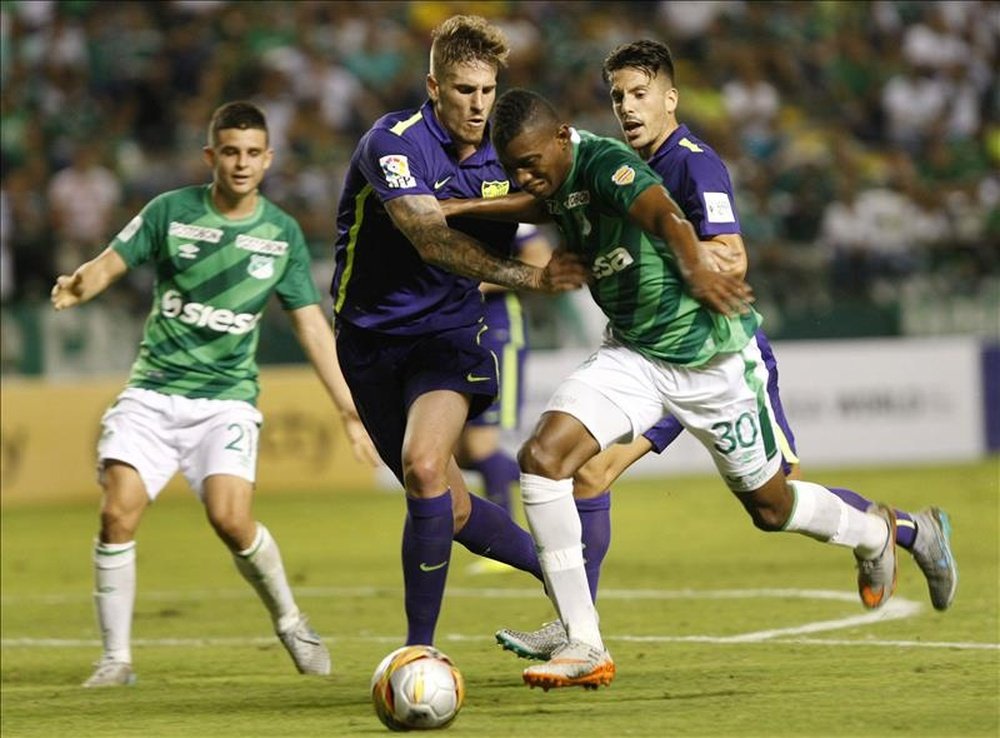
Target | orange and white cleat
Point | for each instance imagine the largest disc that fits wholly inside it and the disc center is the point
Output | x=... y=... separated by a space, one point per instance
x=877 y=576
x=574 y=664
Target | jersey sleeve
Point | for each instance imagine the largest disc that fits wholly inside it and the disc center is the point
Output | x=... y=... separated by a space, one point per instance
x=394 y=166
x=139 y=240
x=707 y=199
x=296 y=288
x=619 y=177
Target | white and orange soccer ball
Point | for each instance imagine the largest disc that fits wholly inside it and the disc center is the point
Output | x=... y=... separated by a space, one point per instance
x=417 y=688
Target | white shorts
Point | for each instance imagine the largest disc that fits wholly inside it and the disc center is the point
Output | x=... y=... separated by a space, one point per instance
x=618 y=394
x=159 y=434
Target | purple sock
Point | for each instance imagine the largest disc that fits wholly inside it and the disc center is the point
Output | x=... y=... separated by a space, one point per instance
x=499 y=471
x=426 y=553
x=595 y=518
x=490 y=532
x=906 y=530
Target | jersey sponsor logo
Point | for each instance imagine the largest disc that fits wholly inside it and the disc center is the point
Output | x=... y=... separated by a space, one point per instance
x=130 y=229
x=624 y=175
x=188 y=251
x=199 y=315
x=260 y=267
x=718 y=208
x=612 y=262
x=495 y=188
x=576 y=199
x=396 y=170
x=195 y=232
x=261 y=245
x=690 y=145
x=439 y=183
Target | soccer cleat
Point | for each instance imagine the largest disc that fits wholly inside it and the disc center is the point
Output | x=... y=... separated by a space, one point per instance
x=574 y=664
x=534 y=644
x=110 y=673
x=932 y=552
x=306 y=648
x=877 y=576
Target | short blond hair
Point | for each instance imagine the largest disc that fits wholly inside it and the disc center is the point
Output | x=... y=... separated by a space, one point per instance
x=467 y=38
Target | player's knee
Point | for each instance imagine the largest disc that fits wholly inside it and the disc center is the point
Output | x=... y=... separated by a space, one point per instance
x=535 y=458
x=118 y=525
x=767 y=519
x=424 y=473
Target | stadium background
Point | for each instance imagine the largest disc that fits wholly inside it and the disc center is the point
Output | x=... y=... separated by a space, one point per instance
x=862 y=139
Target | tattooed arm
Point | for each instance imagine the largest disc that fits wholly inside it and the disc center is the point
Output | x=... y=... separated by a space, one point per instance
x=422 y=221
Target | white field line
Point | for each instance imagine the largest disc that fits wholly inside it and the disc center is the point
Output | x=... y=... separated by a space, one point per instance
x=896 y=609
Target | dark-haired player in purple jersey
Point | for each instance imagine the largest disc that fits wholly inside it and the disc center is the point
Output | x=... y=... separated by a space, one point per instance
x=409 y=310
x=641 y=78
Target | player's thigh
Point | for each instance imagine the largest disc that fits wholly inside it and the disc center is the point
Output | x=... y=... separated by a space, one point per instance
x=724 y=404
x=136 y=431
x=477 y=443
x=434 y=424
x=218 y=437
x=614 y=394
x=123 y=502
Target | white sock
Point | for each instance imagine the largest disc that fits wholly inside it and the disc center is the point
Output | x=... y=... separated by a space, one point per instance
x=261 y=566
x=114 y=597
x=820 y=514
x=555 y=525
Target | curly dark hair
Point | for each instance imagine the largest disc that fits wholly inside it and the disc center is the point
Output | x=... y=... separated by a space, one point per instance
x=516 y=110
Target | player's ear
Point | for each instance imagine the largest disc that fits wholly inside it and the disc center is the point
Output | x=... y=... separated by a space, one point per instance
x=208 y=156
x=433 y=88
x=268 y=158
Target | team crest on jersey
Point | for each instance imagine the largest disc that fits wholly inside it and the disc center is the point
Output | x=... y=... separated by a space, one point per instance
x=495 y=188
x=195 y=232
x=396 y=170
x=624 y=175
x=576 y=199
x=260 y=267
x=130 y=230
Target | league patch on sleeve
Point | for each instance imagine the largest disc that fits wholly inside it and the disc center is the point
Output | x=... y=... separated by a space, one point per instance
x=396 y=169
x=718 y=209
x=624 y=175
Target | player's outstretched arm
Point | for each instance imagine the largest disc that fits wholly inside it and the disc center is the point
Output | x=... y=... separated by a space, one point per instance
x=657 y=213
x=519 y=207
x=316 y=339
x=422 y=221
x=89 y=280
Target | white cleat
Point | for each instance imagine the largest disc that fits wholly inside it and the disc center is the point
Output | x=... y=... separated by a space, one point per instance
x=111 y=673
x=306 y=648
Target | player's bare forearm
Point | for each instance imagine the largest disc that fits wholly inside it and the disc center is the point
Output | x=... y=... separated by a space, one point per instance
x=316 y=338
x=727 y=254
x=421 y=219
x=656 y=212
x=88 y=281
x=517 y=208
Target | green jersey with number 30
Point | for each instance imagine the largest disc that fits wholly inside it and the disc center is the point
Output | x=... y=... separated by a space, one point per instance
x=214 y=277
x=636 y=281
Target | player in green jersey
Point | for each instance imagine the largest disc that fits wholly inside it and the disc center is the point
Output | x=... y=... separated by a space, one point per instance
x=219 y=252
x=677 y=343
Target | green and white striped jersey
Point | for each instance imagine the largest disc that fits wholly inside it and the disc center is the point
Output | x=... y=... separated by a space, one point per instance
x=636 y=281
x=214 y=276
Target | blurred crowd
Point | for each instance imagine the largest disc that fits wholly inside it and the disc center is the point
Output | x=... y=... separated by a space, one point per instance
x=862 y=137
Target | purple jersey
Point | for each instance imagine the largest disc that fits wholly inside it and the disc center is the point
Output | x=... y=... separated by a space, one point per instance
x=380 y=282
x=698 y=181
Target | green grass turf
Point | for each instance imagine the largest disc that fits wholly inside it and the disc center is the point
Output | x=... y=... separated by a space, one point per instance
x=209 y=666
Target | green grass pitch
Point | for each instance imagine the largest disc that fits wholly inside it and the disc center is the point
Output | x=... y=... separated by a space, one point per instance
x=717 y=629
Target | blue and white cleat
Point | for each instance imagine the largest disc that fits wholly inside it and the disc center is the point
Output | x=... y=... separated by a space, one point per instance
x=932 y=552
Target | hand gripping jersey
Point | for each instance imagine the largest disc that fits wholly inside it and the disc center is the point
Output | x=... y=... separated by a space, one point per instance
x=636 y=281
x=380 y=282
x=214 y=277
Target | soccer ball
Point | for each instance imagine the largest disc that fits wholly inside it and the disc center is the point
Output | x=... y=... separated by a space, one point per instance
x=417 y=688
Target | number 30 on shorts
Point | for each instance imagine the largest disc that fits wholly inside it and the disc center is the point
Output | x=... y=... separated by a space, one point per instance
x=733 y=435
